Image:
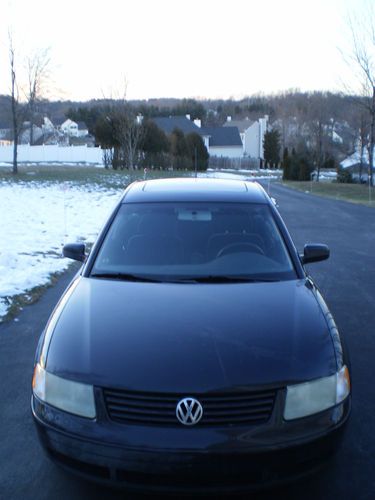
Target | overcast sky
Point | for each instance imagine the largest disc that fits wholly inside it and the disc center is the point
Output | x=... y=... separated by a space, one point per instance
x=182 y=48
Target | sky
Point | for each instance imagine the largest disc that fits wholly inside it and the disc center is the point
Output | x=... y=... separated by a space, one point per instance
x=181 y=48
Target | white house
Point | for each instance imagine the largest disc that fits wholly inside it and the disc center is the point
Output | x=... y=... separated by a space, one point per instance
x=357 y=165
x=70 y=128
x=252 y=135
x=223 y=142
x=47 y=126
x=74 y=129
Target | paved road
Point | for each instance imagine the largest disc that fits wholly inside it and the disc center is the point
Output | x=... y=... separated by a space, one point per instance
x=347 y=281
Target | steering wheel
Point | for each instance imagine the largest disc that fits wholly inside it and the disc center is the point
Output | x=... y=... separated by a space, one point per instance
x=240 y=247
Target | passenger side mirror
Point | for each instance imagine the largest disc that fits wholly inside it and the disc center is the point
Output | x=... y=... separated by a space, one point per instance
x=314 y=253
x=75 y=251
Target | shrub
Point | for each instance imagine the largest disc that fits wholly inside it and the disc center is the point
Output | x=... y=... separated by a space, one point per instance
x=344 y=176
x=297 y=168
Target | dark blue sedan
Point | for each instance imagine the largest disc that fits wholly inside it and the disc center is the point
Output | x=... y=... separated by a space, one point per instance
x=192 y=352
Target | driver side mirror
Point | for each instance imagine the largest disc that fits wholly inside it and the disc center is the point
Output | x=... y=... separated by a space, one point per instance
x=314 y=252
x=75 y=251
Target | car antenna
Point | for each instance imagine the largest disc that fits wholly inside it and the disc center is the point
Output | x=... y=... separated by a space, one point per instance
x=195 y=162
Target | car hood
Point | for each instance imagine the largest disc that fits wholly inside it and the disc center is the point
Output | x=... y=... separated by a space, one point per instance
x=173 y=337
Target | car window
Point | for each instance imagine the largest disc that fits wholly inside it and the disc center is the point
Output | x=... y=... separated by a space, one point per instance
x=192 y=240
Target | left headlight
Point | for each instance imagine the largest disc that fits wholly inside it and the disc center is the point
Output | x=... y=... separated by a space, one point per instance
x=313 y=397
x=64 y=394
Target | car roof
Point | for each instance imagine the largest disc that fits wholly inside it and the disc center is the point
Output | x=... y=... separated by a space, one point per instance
x=195 y=189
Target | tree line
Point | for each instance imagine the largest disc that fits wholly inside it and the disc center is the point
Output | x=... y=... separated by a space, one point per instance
x=130 y=140
x=313 y=129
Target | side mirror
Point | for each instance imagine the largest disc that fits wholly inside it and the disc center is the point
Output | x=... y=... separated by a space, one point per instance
x=314 y=253
x=75 y=251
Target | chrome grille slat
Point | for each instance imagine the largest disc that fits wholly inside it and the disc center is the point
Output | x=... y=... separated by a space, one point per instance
x=252 y=407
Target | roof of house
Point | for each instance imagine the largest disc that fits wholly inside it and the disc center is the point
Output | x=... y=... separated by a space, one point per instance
x=355 y=159
x=223 y=136
x=242 y=125
x=170 y=123
x=59 y=121
x=82 y=126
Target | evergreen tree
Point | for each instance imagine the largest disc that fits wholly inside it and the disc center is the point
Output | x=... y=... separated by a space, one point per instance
x=197 y=151
x=179 y=150
x=271 y=147
x=154 y=139
x=286 y=164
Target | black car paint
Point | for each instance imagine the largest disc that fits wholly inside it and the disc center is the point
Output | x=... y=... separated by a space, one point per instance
x=191 y=337
x=192 y=325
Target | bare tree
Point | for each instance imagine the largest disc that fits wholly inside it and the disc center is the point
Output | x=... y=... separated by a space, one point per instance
x=359 y=118
x=128 y=132
x=318 y=125
x=17 y=110
x=360 y=57
x=38 y=73
x=127 y=128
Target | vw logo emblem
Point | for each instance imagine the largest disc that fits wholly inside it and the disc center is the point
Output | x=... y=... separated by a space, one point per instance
x=189 y=411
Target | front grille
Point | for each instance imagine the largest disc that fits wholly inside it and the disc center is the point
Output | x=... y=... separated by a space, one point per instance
x=219 y=409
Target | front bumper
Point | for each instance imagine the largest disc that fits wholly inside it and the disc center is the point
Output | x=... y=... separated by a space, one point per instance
x=189 y=459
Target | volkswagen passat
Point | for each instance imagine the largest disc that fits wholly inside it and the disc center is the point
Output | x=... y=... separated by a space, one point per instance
x=192 y=351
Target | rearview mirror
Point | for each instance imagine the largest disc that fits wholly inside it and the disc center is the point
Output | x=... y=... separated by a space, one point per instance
x=314 y=252
x=75 y=251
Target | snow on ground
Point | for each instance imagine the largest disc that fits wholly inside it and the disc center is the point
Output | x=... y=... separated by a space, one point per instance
x=50 y=163
x=38 y=218
x=246 y=175
x=36 y=221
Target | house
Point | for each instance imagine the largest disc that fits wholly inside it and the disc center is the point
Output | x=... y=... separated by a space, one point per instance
x=219 y=141
x=183 y=123
x=252 y=135
x=242 y=126
x=82 y=129
x=47 y=126
x=25 y=135
x=353 y=165
x=74 y=129
x=224 y=142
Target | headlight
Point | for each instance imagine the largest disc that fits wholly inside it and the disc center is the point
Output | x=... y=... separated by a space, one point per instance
x=312 y=397
x=64 y=394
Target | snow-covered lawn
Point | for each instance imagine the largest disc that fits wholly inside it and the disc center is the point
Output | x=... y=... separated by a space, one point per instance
x=36 y=219
x=249 y=175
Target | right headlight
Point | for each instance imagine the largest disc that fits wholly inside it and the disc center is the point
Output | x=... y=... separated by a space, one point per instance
x=318 y=395
x=68 y=395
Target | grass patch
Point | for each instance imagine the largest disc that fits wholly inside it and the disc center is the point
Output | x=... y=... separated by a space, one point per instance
x=354 y=193
x=83 y=175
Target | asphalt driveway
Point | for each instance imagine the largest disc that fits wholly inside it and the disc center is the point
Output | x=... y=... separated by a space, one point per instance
x=347 y=281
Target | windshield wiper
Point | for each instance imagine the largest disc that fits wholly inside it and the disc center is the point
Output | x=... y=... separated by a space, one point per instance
x=229 y=279
x=187 y=279
x=126 y=277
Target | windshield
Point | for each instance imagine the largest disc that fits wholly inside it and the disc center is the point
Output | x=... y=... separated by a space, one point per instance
x=194 y=241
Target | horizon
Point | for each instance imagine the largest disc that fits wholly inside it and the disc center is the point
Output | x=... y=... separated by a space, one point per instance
x=270 y=95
